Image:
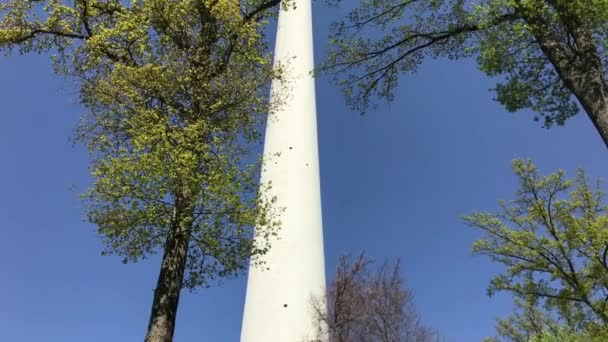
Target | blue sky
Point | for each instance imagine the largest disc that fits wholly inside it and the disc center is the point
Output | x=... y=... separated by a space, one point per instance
x=394 y=183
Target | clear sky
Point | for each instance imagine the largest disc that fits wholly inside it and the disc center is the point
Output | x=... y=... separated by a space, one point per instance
x=394 y=183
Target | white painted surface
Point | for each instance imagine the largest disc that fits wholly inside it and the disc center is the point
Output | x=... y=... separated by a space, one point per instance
x=278 y=300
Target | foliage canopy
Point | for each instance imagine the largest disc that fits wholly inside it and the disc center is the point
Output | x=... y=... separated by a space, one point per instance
x=175 y=93
x=553 y=243
x=549 y=55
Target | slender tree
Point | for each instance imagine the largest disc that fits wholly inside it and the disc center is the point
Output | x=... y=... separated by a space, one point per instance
x=174 y=92
x=553 y=243
x=369 y=305
x=550 y=54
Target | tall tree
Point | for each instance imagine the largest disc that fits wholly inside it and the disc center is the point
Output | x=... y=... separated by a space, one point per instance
x=549 y=54
x=370 y=304
x=553 y=243
x=175 y=95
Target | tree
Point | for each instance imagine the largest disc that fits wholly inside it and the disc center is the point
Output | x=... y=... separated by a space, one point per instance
x=532 y=323
x=549 y=54
x=368 y=305
x=553 y=242
x=529 y=321
x=175 y=96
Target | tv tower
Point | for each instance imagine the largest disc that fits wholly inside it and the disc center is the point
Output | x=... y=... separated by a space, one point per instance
x=278 y=301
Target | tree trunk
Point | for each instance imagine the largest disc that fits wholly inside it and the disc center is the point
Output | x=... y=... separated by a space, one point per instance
x=166 y=295
x=579 y=66
x=596 y=107
x=585 y=79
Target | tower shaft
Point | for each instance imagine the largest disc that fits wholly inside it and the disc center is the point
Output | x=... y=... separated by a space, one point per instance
x=278 y=300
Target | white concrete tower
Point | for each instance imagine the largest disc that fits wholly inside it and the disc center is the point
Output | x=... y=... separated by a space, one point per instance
x=278 y=300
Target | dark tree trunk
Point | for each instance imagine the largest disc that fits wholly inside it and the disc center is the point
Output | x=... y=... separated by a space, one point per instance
x=585 y=79
x=595 y=103
x=578 y=65
x=166 y=295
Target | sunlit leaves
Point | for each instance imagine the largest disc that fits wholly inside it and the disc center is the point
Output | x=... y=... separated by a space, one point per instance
x=379 y=41
x=552 y=240
x=175 y=93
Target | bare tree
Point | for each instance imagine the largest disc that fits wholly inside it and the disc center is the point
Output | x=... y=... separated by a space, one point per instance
x=366 y=304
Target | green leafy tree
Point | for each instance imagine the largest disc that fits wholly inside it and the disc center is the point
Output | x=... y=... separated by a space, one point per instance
x=567 y=336
x=553 y=243
x=529 y=322
x=532 y=323
x=175 y=96
x=550 y=55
